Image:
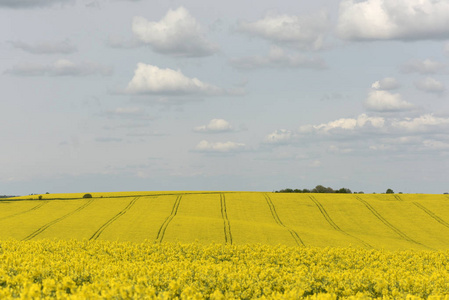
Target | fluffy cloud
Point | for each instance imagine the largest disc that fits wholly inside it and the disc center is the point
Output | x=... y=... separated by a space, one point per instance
x=344 y=124
x=31 y=3
x=64 y=47
x=368 y=133
x=430 y=85
x=383 y=101
x=62 y=67
x=388 y=83
x=303 y=32
x=426 y=66
x=277 y=58
x=149 y=79
x=215 y=126
x=422 y=123
x=399 y=19
x=226 y=147
x=177 y=34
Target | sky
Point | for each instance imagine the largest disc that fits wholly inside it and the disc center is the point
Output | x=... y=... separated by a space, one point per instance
x=144 y=95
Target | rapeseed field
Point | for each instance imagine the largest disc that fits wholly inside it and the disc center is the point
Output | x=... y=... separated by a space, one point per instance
x=224 y=245
x=124 y=270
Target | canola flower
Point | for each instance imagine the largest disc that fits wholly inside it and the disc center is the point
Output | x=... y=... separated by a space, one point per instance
x=75 y=269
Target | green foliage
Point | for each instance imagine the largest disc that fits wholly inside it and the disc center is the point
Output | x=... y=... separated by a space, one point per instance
x=344 y=191
x=87 y=196
x=389 y=191
x=317 y=189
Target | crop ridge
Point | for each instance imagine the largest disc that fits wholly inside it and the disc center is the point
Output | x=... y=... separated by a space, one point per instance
x=163 y=228
x=44 y=227
x=388 y=224
x=276 y=218
x=333 y=224
x=25 y=211
x=226 y=223
x=100 y=230
x=431 y=214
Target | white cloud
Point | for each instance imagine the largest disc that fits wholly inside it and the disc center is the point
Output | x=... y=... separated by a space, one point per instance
x=278 y=58
x=215 y=126
x=31 y=3
x=348 y=124
x=421 y=124
x=366 y=133
x=280 y=136
x=177 y=34
x=46 y=47
x=205 y=146
x=399 y=19
x=62 y=67
x=303 y=32
x=388 y=83
x=426 y=66
x=383 y=101
x=342 y=125
x=149 y=79
x=430 y=85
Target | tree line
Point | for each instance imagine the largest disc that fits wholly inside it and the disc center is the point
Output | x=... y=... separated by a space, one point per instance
x=323 y=189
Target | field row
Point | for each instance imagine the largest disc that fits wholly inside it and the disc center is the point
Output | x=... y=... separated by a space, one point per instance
x=368 y=221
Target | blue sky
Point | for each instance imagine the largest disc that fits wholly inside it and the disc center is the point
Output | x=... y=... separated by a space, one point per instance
x=116 y=95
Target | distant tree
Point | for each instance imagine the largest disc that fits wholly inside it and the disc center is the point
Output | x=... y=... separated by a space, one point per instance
x=361 y=192
x=389 y=191
x=285 y=191
x=306 y=191
x=322 y=189
x=344 y=191
x=40 y=197
x=87 y=196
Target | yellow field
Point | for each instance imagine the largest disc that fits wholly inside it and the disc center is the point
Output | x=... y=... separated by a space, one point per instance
x=224 y=245
x=113 y=270
x=371 y=221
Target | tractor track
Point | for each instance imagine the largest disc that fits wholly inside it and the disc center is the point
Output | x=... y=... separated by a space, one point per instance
x=388 y=224
x=333 y=224
x=163 y=228
x=226 y=223
x=43 y=228
x=431 y=214
x=276 y=218
x=100 y=230
x=25 y=211
x=397 y=198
